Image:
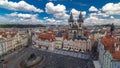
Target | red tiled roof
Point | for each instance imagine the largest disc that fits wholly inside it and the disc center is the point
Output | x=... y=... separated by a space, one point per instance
x=65 y=36
x=108 y=43
x=5 y=35
x=116 y=55
x=13 y=34
x=49 y=36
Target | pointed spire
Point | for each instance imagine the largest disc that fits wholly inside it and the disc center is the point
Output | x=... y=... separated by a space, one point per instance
x=80 y=19
x=80 y=15
x=71 y=18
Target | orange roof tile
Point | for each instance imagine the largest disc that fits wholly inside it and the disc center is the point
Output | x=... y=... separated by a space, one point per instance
x=116 y=55
x=108 y=43
x=65 y=36
x=48 y=36
x=13 y=34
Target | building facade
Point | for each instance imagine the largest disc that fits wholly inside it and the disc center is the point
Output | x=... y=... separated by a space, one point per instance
x=10 y=44
x=109 y=51
x=77 y=45
x=75 y=27
x=110 y=61
x=101 y=51
x=45 y=44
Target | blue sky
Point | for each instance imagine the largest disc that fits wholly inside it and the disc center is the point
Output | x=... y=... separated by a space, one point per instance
x=57 y=11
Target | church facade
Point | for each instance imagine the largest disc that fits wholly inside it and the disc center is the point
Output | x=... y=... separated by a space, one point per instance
x=75 y=27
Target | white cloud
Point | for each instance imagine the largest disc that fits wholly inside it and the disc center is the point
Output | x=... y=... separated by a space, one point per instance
x=105 y=15
x=92 y=8
x=51 y=20
x=19 y=18
x=76 y=13
x=20 y=15
x=84 y=13
x=45 y=18
x=112 y=8
x=50 y=8
x=4 y=20
x=112 y=17
x=92 y=20
x=99 y=14
x=19 y=6
x=58 y=11
x=55 y=22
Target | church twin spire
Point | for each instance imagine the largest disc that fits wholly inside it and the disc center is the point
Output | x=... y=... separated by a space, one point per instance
x=75 y=26
x=80 y=19
x=71 y=18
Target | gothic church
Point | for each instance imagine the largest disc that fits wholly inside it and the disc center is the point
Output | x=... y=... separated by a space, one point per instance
x=75 y=27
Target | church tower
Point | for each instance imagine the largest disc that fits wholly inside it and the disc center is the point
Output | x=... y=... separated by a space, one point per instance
x=80 y=25
x=75 y=27
x=71 y=24
x=71 y=21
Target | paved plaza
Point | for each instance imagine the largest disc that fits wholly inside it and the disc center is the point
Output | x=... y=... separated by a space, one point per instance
x=53 y=59
x=69 y=53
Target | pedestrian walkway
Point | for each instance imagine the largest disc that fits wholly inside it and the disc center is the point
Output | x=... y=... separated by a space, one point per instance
x=69 y=53
x=13 y=53
x=96 y=64
x=9 y=56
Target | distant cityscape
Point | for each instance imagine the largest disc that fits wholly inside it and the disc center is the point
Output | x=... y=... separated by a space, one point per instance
x=73 y=46
x=59 y=34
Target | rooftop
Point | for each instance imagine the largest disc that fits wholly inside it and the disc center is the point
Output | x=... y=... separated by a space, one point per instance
x=112 y=45
x=49 y=36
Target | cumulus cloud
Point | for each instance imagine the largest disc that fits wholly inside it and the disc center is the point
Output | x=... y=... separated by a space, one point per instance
x=19 y=6
x=45 y=18
x=51 y=20
x=84 y=13
x=105 y=15
x=58 y=11
x=76 y=13
x=20 y=15
x=92 y=20
x=20 y=18
x=112 y=8
x=112 y=17
x=3 y=20
x=92 y=8
x=99 y=14
x=54 y=21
